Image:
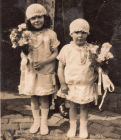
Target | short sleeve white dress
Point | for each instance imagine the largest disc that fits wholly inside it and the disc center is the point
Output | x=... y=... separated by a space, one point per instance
x=79 y=72
x=42 y=81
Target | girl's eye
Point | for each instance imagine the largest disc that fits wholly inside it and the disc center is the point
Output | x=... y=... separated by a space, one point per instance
x=33 y=18
x=77 y=32
x=39 y=17
x=83 y=32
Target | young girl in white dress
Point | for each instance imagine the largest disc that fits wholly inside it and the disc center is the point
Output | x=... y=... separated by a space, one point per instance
x=77 y=75
x=38 y=67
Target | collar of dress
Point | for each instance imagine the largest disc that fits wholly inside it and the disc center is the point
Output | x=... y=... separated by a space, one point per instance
x=85 y=46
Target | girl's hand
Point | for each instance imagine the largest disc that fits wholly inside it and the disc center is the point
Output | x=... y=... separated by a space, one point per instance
x=64 y=88
x=38 y=65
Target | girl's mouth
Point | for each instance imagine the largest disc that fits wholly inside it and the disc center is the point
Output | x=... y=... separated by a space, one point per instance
x=37 y=24
x=80 y=39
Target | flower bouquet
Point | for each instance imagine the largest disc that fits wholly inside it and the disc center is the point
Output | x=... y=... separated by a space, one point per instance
x=103 y=57
x=21 y=37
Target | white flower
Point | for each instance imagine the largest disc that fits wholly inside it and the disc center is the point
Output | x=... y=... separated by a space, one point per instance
x=105 y=53
x=109 y=56
x=22 y=42
x=26 y=34
x=22 y=27
x=100 y=58
x=105 y=48
x=94 y=49
x=13 y=34
x=14 y=46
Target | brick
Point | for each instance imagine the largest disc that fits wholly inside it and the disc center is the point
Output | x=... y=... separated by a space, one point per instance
x=117 y=130
x=15 y=116
x=75 y=138
x=102 y=122
x=25 y=125
x=116 y=122
x=93 y=131
x=21 y=120
x=108 y=114
x=90 y=123
x=8 y=135
x=22 y=109
x=57 y=133
x=18 y=132
x=4 y=121
x=62 y=137
x=100 y=128
x=22 y=132
x=26 y=112
x=21 y=139
x=97 y=136
x=92 y=136
x=111 y=135
x=10 y=126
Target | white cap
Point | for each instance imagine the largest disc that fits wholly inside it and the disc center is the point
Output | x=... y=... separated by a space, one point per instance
x=79 y=25
x=35 y=10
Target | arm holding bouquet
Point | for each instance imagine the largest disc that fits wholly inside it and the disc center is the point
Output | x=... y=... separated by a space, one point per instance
x=49 y=59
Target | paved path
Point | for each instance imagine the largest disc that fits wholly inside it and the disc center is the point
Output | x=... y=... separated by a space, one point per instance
x=17 y=119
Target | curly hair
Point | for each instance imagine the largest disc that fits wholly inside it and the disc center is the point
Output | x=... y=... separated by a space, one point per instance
x=47 y=24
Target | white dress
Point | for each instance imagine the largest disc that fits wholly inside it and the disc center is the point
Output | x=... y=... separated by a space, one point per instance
x=79 y=72
x=39 y=82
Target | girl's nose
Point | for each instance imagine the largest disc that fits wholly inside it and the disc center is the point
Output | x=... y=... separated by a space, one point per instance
x=36 y=19
x=80 y=34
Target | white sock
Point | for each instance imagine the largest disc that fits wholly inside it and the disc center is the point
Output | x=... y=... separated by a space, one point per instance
x=83 y=133
x=72 y=129
x=44 y=117
x=36 y=124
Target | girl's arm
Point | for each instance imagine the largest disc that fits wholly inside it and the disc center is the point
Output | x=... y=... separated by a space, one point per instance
x=48 y=60
x=64 y=87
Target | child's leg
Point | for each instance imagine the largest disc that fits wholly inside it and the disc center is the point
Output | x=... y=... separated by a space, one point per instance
x=35 y=113
x=83 y=121
x=73 y=119
x=44 y=114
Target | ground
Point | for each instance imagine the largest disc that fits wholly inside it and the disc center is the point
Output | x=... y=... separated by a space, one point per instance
x=17 y=119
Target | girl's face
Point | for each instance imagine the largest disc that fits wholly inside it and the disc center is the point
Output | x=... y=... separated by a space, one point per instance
x=37 y=22
x=79 y=37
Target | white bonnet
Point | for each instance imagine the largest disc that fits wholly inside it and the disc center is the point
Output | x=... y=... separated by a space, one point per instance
x=35 y=10
x=79 y=25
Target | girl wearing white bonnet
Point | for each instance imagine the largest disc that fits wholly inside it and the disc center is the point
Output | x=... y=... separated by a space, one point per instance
x=78 y=74
x=38 y=66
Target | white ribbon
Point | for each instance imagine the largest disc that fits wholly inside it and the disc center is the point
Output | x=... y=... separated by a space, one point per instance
x=107 y=85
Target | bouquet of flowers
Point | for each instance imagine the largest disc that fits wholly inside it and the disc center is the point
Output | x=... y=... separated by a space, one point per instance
x=21 y=37
x=103 y=56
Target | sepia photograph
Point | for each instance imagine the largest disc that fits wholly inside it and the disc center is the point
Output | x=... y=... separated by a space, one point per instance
x=60 y=76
